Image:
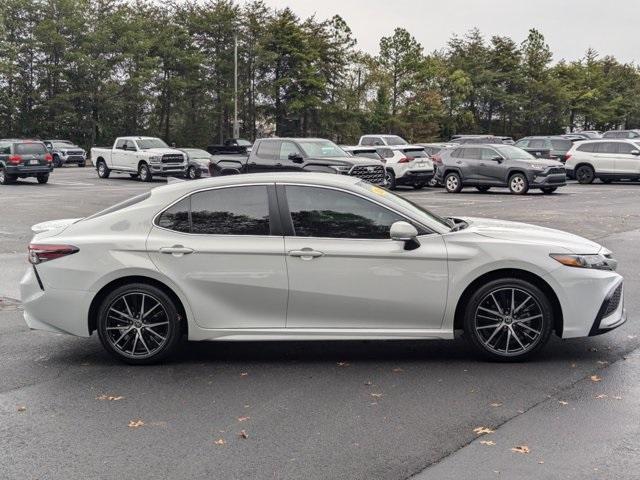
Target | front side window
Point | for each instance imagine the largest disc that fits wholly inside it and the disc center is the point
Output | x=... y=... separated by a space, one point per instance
x=522 y=143
x=489 y=154
x=147 y=143
x=626 y=148
x=326 y=213
x=321 y=148
x=288 y=148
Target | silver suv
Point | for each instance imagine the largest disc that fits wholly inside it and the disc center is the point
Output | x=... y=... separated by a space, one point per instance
x=486 y=166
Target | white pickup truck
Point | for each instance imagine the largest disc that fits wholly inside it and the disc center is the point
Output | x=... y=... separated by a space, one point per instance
x=140 y=157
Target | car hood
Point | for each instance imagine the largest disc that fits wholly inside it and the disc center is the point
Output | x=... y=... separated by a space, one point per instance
x=525 y=232
x=163 y=151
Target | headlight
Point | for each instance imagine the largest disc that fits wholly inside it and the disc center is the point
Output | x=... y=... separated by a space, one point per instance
x=155 y=159
x=597 y=261
x=343 y=169
x=538 y=168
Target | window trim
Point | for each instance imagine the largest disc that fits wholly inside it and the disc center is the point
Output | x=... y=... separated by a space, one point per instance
x=275 y=224
x=287 y=221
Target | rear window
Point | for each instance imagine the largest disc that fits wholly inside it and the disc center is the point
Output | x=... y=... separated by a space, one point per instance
x=562 y=145
x=30 y=148
x=121 y=205
x=415 y=153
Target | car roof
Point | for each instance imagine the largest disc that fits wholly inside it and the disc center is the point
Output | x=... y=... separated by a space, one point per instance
x=294 y=139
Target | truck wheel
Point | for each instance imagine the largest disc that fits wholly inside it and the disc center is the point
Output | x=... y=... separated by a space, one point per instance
x=6 y=179
x=43 y=177
x=144 y=173
x=103 y=170
x=390 y=178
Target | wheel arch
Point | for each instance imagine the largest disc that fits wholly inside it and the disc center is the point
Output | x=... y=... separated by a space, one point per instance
x=538 y=281
x=118 y=282
x=584 y=163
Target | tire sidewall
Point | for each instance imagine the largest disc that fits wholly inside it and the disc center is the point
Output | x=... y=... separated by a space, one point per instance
x=591 y=174
x=391 y=179
x=459 y=182
x=525 y=189
x=175 y=334
x=144 y=173
x=474 y=301
x=103 y=171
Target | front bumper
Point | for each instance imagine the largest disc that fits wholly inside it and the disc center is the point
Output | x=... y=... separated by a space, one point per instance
x=612 y=313
x=553 y=180
x=27 y=171
x=163 y=170
x=79 y=159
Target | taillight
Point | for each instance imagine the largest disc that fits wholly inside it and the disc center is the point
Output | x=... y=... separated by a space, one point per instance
x=43 y=253
x=567 y=157
x=15 y=159
x=436 y=159
x=48 y=157
x=405 y=160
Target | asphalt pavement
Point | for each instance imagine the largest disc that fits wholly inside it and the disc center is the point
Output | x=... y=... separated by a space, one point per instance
x=320 y=410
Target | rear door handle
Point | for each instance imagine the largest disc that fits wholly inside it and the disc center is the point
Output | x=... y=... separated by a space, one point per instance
x=176 y=250
x=305 y=253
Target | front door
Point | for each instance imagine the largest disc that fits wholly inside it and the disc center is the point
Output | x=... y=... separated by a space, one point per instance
x=490 y=170
x=220 y=247
x=286 y=163
x=345 y=271
x=627 y=164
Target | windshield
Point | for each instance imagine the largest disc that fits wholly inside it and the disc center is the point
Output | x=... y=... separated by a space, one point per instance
x=146 y=143
x=395 y=140
x=196 y=153
x=514 y=153
x=321 y=148
x=243 y=143
x=403 y=202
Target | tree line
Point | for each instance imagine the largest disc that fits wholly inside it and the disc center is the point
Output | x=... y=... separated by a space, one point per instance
x=91 y=70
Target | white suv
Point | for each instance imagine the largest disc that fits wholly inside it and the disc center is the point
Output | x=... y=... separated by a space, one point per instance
x=381 y=140
x=406 y=165
x=607 y=160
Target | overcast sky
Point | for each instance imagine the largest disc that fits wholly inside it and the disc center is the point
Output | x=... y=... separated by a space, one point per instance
x=569 y=26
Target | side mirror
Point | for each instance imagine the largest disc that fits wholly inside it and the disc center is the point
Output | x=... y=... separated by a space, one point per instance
x=635 y=152
x=296 y=158
x=405 y=232
x=497 y=159
x=124 y=147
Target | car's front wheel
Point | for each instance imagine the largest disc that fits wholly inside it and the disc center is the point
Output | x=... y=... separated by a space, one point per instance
x=144 y=174
x=139 y=324
x=508 y=319
x=518 y=184
x=103 y=170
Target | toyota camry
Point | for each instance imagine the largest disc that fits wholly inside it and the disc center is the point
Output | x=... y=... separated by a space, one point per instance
x=306 y=256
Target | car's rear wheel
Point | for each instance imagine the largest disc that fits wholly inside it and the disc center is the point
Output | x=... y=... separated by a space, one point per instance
x=508 y=319
x=585 y=174
x=103 y=170
x=43 y=178
x=518 y=184
x=192 y=173
x=390 y=179
x=483 y=188
x=144 y=173
x=548 y=190
x=5 y=178
x=139 y=324
x=452 y=182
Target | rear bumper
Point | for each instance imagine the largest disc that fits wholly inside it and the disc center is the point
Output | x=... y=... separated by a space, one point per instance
x=415 y=176
x=27 y=171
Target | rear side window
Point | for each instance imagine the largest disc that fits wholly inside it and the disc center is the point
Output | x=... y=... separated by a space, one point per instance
x=625 y=148
x=606 y=147
x=472 y=153
x=30 y=148
x=231 y=211
x=5 y=149
x=522 y=143
x=268 y=149
x=372 y=141
x=587 y=147
x=177 y=216
x=561 y=145
x=385 y=152
x=119 y=143
x=538 y=143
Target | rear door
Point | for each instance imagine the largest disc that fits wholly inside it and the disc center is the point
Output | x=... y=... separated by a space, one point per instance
x=265 y=158
x=604 y=156
x=468 y=160
x=225 y=250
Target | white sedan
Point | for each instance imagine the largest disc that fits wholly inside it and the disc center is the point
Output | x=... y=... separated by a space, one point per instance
x=304 y=256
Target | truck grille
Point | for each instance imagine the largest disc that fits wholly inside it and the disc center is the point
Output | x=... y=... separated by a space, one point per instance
x=172 y=158
x=556 y=171
x=370 y=173
x=75 y=152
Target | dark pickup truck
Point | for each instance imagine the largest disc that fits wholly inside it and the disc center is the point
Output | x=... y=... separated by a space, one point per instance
x=231 y=146
x=551 y=147
x=299 y=155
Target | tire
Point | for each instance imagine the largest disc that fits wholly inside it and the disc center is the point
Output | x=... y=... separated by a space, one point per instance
x=483 y=188
x=518 y=184
x=585 y=174
x=5 y=178
x=57 y=163
x=391 y=180
x=487 y=308
x=103 y=170
x=548 y=190
x=452 y=182
x=144 y=173
x=192 y=173
x=120 y=332
x=419 y=186
x=43 y=178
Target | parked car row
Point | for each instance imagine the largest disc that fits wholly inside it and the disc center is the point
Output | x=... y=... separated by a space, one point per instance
x=24 y=159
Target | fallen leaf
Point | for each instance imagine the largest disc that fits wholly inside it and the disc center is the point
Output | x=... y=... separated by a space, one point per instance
x=521 y=449
x=617 y=398
x=110 y=398
x=244 y=374
x=136 y=423
x=368 y=383
x=487 y=442
x=602 y=395
x=562 y=402
x=573 y=365
x=496 y=404
x=376 y=395
x=482 y=430
x=397 y=370
x=243 y=434
x=22 y=408
x=220 y=441
x=342 y=364
x=595 y=378
x=243 y=419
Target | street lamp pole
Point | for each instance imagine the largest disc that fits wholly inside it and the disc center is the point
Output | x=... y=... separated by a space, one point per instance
x=236 y=125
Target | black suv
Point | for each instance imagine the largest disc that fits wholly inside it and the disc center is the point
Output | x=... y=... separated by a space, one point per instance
x=486 y=166
x=299 y=155
x=552 y=147
x=621 y=134
x=22 y=159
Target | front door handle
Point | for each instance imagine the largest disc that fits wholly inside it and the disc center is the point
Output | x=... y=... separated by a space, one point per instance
x=176 y=250
x=305 y=253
